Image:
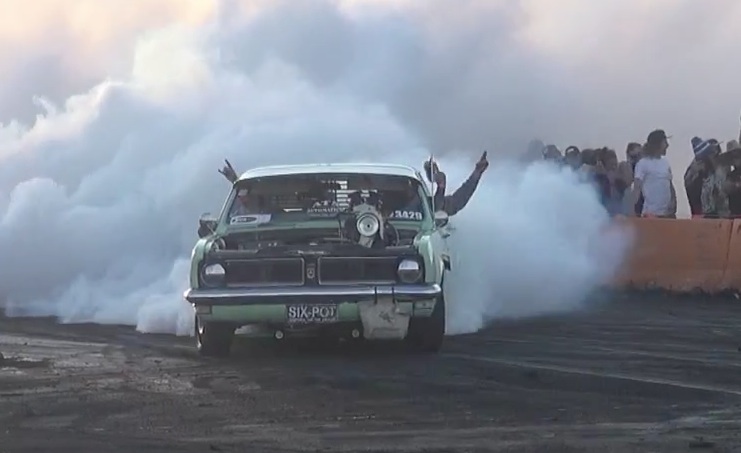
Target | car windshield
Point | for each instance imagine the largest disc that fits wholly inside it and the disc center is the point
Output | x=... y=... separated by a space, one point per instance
x=307 y=197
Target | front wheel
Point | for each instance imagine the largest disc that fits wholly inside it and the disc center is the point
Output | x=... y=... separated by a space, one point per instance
x=426 y=334
x=214 y=339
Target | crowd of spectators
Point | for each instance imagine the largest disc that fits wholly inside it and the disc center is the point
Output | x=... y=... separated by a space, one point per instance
x=642 y=185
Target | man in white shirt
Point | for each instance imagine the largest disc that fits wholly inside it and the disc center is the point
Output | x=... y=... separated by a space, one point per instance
x=653 y=179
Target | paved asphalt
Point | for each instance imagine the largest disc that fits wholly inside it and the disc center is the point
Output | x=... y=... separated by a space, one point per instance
x=632 y=374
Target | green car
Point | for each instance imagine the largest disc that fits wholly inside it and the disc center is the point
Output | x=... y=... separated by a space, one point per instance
x=352 y=251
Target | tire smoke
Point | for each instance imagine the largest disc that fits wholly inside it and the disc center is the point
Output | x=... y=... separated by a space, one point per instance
x=100 y=197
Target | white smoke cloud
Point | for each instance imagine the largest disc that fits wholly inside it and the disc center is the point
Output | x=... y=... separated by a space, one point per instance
x=532 y=241
x=99 y=197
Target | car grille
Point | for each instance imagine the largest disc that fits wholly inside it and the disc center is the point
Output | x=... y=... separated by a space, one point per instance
x=265 y=272
x=343 y=270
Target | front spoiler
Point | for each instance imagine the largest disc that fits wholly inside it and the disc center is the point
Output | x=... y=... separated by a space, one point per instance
x=339 y=294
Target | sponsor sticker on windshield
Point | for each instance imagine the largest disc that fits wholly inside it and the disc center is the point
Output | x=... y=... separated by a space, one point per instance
x=323 y=210
x=253 y=219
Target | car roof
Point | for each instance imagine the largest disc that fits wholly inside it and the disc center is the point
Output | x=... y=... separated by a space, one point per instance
x=378 y=169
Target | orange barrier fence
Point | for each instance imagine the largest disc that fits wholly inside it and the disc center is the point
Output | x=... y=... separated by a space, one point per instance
x=682 y=255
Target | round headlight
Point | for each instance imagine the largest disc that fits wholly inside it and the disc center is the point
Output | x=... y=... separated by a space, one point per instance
x=368 y=225
x=213 y=273
x=409 y=271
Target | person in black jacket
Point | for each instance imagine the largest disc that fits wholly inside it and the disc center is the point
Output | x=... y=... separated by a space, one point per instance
x=699 y=169
x=452 y=204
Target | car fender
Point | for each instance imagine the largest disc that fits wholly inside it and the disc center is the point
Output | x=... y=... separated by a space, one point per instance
x=196 y=256
x=430 y=247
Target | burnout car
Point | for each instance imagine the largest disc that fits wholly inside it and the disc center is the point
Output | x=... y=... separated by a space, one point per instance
x=345 y=250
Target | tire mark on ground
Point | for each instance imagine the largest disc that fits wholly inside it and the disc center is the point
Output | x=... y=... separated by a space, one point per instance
x=591 y=373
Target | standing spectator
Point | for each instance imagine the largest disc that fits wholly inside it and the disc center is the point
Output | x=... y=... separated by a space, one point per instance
x=732 y=145
x=534 y=151
x=588 y=161
x=734 y=198
x=698 y=170
x=592 y=172
x=653 y=179
x=717 y=186
x=609 y=159
x=611 y=182
x=633 y=153
x=572 y=157
x=551 y=153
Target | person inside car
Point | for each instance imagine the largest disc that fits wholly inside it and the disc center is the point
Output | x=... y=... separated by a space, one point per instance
x=248 y=203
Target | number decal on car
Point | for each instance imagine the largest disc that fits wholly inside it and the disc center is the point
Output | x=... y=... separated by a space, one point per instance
x=407 y=215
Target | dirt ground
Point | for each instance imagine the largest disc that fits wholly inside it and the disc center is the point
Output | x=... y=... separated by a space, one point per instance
x=648 y=374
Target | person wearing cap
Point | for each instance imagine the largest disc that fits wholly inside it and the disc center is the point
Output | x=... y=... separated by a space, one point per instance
x=699 y=169
x=653 y=179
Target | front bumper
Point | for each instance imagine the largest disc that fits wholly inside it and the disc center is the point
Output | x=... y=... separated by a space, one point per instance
x=332 y=294
x=269 y=306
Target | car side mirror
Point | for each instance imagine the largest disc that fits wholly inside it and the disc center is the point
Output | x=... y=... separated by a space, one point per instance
x=207 y=225
x=441 y=219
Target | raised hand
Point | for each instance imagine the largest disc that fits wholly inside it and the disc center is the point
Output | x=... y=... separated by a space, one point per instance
x=482 y=164
x=229 y=173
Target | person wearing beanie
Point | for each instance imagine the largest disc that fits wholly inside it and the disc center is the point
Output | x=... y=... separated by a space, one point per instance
x=698 y=170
